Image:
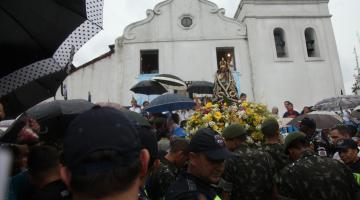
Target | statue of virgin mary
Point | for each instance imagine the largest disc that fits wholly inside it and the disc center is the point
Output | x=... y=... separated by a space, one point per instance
x=224 y=83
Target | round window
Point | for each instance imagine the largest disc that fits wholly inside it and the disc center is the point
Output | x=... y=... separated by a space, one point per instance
x=186 y=22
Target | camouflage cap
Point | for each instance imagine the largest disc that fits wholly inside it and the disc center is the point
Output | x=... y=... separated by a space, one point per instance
x=270 y=126
x=234 y=131
x=292 y=137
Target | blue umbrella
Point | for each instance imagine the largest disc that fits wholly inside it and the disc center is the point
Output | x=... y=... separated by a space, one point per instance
x=170 y=102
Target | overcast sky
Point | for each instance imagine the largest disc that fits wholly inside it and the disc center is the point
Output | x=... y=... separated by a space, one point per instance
x=119 y=13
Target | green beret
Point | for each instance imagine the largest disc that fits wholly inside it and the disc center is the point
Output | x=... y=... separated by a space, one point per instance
x=234 y=131
x=270 y=126
x=292 y=137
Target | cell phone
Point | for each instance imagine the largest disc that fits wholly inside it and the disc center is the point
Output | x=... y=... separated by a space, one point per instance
x=5 y=161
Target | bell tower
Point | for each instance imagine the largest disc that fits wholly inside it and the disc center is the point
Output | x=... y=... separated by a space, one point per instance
x=292 y=50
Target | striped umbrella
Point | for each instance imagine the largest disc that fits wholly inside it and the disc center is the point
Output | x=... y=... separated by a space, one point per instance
x=170 y=81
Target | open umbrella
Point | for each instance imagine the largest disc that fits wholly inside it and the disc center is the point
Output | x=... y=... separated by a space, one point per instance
x=148 y=87
x=338 y=103
x=170 y=81
x=170 y=102
x=37 y=38
x=201 y=87
x=53 y=117
x=323 y=119
x=32 y=92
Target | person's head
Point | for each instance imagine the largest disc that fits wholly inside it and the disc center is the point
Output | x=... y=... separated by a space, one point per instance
x=2 y=112
x=234 y=135
x=348 y=150
x=352 y=130
x=43 y=165
x=133 y=102
x=179 y=151
x=207 y=155
x=275 y=111
x=339 y=132
x=290 y=106
x=174 y=119
x=270 y=128
x=149 y=142
x=103 y=156
x=295 y=144
x=286 y=104
x=243 y=97
x=308 y=126
x=306 y=109
x=146 y=104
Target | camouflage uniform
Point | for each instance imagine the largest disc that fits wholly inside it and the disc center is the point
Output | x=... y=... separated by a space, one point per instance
x=162 y=179
x=143 y=195
x=277 y=152
x=248 y=174
x=315 y=177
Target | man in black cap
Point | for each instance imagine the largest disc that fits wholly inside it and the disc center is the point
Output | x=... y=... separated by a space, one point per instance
x=249 y=172
x=206 y=165
x=103 y=158
x=313 y=177
x=348 y=151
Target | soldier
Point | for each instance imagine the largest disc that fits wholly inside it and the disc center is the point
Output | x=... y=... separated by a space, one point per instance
x=272 y=145
x=313 y=177
x=206 y=165
x=169 y=168
x=249 y=172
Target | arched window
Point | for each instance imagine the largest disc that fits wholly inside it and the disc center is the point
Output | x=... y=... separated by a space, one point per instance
x=312 y=46
x=280 y=44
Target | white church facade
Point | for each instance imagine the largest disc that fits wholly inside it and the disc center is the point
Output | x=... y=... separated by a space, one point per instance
x=278 y=49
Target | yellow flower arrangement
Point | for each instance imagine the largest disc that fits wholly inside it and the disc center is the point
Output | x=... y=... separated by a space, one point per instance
x=219 y=115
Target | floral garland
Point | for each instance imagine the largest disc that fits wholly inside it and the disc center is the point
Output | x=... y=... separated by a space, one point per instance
x=219 y=115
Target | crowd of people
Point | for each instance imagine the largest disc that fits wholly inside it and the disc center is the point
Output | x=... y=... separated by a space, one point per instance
x=108 y=154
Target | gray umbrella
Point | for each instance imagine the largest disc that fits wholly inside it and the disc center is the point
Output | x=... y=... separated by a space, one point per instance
x=338 y=103
x=170 y=102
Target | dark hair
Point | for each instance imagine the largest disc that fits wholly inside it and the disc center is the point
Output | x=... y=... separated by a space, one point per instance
x=42 y=161
x=299 y=143
x=352 y=130
x=107 y=182
x=175 y=118
x=242 y=95
x=343 y=130
x=179 y=144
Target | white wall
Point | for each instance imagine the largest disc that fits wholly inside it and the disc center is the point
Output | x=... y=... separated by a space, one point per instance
x=100 y=79
x=302 y=80
x=187 y=53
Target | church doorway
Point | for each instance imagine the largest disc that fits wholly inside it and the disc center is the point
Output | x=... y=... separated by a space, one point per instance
x=226 y=53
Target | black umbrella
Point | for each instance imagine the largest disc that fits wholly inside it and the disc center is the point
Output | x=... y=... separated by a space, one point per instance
x=170 y=102
x=171 y=81
x=29 y=94
x=338 y=103
x=37 y=37
x=323 y=119
x=148 y=87
x=201 y=87
x=53 y=117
